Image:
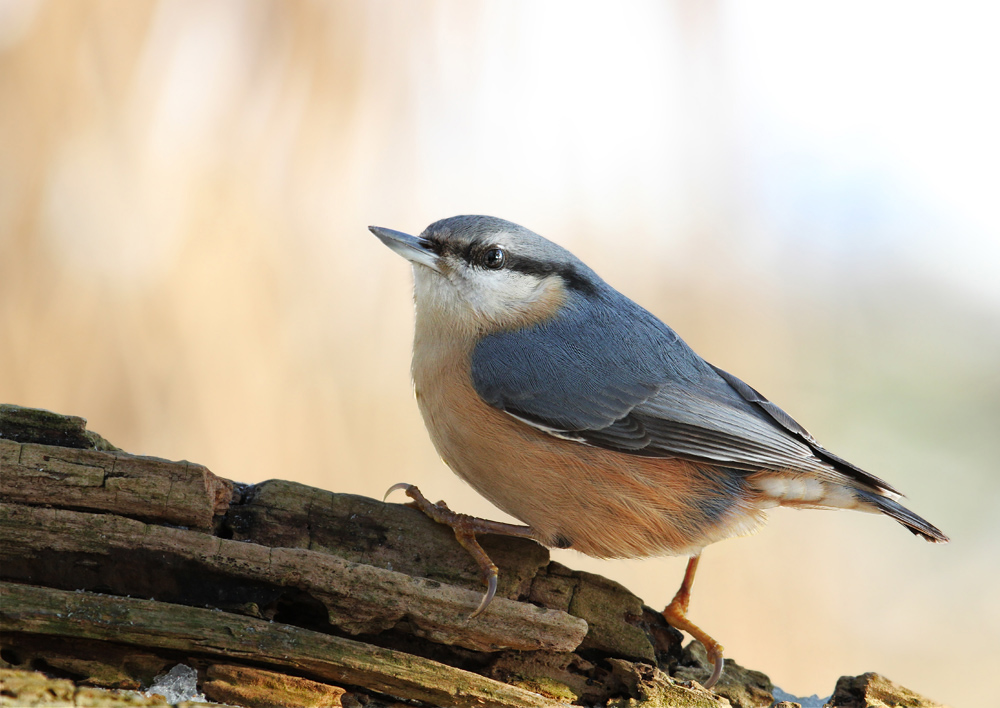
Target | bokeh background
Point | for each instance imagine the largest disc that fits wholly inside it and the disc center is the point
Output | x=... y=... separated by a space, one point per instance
x=807 y=192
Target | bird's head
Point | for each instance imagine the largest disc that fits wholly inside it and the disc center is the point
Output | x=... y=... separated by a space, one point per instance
x=487 y=275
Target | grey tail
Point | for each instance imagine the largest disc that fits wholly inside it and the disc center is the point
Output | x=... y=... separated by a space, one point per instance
x=900 y=513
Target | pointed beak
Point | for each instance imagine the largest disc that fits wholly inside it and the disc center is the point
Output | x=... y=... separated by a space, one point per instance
x=412 y=248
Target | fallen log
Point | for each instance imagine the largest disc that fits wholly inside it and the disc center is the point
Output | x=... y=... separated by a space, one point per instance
x=119 y=573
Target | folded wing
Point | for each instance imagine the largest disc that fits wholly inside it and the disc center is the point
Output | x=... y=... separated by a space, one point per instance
x=618 y=378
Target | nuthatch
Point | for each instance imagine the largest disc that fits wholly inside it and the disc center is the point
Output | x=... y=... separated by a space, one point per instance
x=578 y=412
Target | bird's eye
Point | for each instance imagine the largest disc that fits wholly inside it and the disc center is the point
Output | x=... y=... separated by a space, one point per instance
x=494 y=258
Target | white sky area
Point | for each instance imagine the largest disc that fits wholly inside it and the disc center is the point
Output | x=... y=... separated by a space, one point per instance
x=890 y=112
x=858 y=130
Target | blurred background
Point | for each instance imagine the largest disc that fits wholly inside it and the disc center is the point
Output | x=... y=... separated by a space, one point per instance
x=806 y=192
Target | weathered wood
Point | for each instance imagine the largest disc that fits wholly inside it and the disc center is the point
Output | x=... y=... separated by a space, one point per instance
x=179 y=493
x=33 y=688
x=98 y=663
x=30 y=609
x=259 y=688
x=48 y=546
x=873 y=690
x=648 y=687
x=739 y=685
x=319 y=565
x=35 y=425
x=400 y=538
x=618 y=622
x=392 y=536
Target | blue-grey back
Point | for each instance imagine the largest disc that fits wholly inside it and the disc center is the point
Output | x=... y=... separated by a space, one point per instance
x=607 y=372
x=602 y=356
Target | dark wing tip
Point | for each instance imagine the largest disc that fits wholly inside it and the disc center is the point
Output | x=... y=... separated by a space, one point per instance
x=914 y=524
x=752 y=395
x=786 y=421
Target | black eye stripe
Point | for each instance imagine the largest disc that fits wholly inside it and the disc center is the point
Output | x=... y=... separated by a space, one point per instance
x=470 y=253
x=530 y=266
x=570 y=276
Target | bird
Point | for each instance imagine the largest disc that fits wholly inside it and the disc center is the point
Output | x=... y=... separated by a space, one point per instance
x=581 y=414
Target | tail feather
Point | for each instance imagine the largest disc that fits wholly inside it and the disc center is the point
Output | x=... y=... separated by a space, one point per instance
x=914 y=523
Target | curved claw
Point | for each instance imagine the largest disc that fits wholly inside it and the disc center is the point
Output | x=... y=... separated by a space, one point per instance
x=465 y=529
x=491 y=591
x=720 y=663
x=401 y=485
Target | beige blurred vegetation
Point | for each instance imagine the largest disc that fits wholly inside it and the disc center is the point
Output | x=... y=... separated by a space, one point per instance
x=184 y=191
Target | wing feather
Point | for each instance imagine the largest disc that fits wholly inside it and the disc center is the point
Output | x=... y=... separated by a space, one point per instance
x=610 y=374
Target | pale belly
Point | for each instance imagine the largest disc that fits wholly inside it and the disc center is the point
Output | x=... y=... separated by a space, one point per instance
x=600 y=502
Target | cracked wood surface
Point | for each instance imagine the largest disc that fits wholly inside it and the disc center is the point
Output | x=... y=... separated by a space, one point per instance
x=179 y=493
x=149 y=623
x=48 y=546
x=108 y=562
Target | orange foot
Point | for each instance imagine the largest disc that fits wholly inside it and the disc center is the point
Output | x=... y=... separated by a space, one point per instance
x=676 y=615
x=466 y=527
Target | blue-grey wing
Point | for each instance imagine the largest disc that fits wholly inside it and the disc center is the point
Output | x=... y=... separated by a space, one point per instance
x=612 y=375
x=572 y=373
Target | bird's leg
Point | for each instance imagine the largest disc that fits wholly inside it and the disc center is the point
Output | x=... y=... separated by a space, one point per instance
x=676 y=616
x=466 y=527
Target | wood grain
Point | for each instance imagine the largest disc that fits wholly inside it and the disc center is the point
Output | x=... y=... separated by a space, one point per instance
x=147 y=623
